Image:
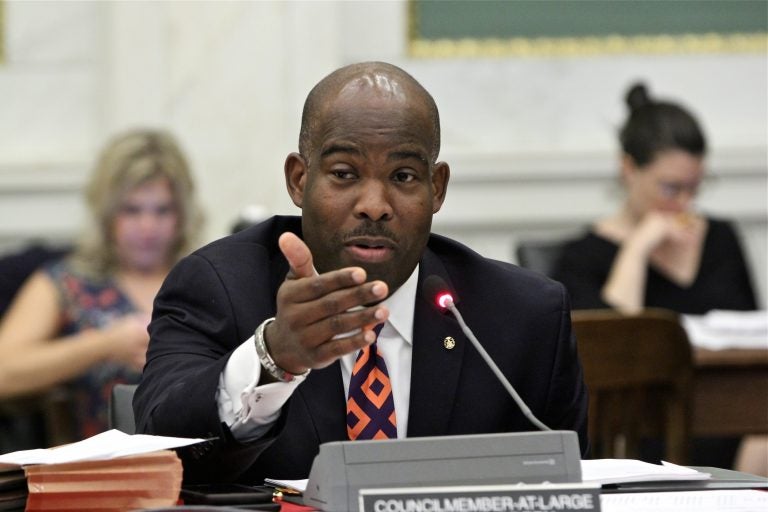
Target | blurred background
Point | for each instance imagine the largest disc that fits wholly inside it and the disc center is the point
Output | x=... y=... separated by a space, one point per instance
x=529 y=129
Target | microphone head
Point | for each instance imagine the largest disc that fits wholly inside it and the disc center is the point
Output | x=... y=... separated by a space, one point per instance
x=436 y=289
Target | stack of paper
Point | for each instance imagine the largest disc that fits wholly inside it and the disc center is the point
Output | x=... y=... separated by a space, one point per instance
x=721 y=329
x=126 y=483
x=615 y=471
x=112 y=471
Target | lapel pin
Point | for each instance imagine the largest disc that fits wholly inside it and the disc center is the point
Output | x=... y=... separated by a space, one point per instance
x=449 y=343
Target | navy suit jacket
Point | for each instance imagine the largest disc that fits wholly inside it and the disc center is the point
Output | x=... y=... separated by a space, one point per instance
x=214 y=299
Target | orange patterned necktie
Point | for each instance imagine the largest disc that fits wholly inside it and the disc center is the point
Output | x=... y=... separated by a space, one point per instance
x=370 y=406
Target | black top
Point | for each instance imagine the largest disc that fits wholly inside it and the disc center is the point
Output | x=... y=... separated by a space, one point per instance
x=722 y=281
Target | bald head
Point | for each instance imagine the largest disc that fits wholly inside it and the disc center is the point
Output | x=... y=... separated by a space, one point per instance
x=380 y=78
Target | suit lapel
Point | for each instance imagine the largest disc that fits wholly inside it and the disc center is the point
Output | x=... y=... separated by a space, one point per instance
x=435 y=369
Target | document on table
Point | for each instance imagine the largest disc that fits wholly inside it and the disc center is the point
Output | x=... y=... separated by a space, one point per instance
x=686 y=501
x=107 y=445
x=619 y=471
x=720 y=329
x=293 y=485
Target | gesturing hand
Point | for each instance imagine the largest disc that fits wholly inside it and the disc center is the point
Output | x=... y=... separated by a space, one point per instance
x=312 y=309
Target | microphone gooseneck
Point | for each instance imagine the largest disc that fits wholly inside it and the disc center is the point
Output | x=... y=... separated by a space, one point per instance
x=437 y=288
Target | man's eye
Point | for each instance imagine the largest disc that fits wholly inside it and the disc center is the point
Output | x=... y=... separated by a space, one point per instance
x=404 y=177
x=344 y=174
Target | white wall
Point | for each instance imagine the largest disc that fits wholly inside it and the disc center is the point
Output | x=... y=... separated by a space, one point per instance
x=531 y=141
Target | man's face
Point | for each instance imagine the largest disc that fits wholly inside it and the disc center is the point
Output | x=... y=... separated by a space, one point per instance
x=369 y=188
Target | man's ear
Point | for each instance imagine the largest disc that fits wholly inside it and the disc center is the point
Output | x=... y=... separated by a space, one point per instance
x=296 y=177
x=441 y=173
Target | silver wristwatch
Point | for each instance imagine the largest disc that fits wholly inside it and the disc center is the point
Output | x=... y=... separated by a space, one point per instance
x=266 y=360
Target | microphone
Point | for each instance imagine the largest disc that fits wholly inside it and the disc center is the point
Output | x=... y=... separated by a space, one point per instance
x=436 y=287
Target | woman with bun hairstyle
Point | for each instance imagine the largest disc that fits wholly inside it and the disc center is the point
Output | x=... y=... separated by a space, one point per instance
x=657 y=250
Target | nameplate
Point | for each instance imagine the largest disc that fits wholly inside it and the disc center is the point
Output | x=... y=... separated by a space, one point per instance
x=483 y=498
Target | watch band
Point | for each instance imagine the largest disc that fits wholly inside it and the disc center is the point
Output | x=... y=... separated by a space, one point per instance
x=266 y=359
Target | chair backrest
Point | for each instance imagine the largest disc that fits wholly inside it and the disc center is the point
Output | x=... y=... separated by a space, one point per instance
x=541 y=256
x=16 y=267
x=121 y=408
x=638 y=372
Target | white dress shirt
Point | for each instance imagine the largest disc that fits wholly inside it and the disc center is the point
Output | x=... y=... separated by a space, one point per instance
x=250 y=410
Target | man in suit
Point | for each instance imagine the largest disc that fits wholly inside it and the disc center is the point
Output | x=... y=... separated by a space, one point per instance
x=368 y=182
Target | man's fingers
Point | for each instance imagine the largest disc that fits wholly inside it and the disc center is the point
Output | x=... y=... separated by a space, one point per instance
x=349 y=282
x=298 y=255
x=330 y=351
x=352 y=322
x=339 y=325
x=314 y=346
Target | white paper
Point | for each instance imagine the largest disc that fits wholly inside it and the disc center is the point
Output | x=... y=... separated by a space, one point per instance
x=745 y=500
x=719 y=329
x=107 y=445
x=295 y=485
x=614 y=471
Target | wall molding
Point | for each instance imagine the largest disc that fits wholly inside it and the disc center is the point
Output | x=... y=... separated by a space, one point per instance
x=483 y=168
x=43 y=177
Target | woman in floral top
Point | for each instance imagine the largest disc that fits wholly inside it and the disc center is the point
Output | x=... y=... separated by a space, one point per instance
x=82 y=321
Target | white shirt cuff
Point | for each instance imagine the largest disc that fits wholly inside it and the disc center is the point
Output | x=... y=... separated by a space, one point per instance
x=248 y=409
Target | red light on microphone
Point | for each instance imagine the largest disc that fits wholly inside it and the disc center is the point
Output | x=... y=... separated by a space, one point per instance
x=444 y=299
x=441 y=293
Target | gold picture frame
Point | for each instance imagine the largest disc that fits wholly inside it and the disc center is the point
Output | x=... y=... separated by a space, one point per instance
x=452 y=40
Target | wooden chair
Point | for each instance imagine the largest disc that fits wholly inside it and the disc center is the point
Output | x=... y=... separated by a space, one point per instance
x=638 y=372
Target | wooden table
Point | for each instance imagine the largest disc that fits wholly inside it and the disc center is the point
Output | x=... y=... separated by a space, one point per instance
x=730 y=392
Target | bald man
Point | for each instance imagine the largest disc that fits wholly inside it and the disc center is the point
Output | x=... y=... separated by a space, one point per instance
x=254 y=337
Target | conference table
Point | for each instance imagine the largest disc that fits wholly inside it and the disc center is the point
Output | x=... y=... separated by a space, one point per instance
x=730 y=392
x=730 y=398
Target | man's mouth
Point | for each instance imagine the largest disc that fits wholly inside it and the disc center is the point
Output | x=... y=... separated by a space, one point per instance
x=370 y=249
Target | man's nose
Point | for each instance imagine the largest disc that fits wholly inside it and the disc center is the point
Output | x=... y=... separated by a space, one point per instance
x=374 y=201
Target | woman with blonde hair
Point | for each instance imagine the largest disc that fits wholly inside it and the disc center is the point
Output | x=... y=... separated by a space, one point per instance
x=82 y=320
